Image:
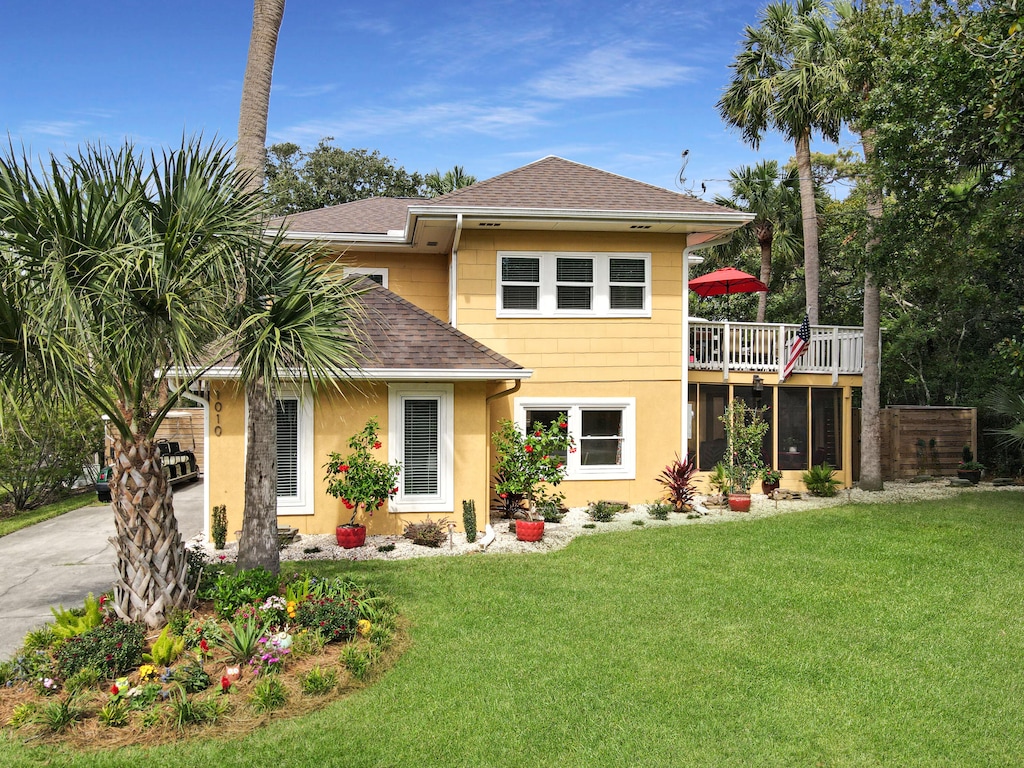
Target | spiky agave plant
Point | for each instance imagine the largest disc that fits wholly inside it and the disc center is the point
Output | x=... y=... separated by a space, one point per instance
x=677 y=478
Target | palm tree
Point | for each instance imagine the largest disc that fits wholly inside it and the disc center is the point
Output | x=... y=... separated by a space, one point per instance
x=296 y=320
x=775 y=203
x=114 y=267
x=789 y=77
x=456 y=178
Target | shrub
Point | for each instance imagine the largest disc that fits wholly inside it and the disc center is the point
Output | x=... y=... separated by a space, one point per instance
x=114 y=648
x=114 y=714
x=58 y=715
x=193 y=677
x=335 y=618
x=639 y=523
x=83 y=679
x=659 y=510
x=469 y=519
x=552 y=507
x=381 y=636
x=428 y=533
x=318 y=681
x=359 y=479
x=308 y=642
x=507 y=502
x=241 y=640
x=165 y=649
x=68 y=623
x=186 y=711
x=677 y=479
x=525 y=461
x=268 y=694
x=605 y=511
x=244 y=587
x=719 y=479
x=820 y=480
x=389 y=547
x=357 y=661
x=219 y=526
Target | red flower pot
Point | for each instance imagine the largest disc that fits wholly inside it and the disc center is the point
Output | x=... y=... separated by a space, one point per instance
x=351 y=536
x=529 y=530
x=739 y=502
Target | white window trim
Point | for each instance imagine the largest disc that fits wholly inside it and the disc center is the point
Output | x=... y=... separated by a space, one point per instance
x=445 y=395
x=302 y=503
x=572 y=407
x=382 y=271
x=547 y=304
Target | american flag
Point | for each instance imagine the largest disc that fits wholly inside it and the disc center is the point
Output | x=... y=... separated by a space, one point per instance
x=797 y=347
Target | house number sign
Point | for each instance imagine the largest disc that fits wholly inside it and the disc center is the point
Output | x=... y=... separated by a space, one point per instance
x=218 y=406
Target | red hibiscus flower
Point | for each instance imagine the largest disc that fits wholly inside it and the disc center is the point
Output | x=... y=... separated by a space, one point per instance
x=529 y=449
x=115 y=690
x=377 y=445
x=343 y=468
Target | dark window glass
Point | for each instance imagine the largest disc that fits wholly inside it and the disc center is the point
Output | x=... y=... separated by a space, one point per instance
x=826 y=427
x=516 y=270
x=573 y=297
x=710 y=429
x=574 y=270
x=792 y=442
x=519 y=297
x=627 y=297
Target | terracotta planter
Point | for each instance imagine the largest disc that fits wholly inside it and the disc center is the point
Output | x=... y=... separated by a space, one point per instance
x=739 y=502
x=529 y=530
x=351 y=536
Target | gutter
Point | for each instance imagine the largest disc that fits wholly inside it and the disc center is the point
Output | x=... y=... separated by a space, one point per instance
x=453 y=276
x=388 y=374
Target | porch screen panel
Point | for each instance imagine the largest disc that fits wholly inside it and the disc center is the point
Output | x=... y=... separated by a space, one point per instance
x=420 y=447
x=792 y=417
x=826 y=427
x=746 y=394
x=287 y=448
x=710 y=429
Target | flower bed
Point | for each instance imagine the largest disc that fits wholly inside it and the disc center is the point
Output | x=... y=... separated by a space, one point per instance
x=218 y=670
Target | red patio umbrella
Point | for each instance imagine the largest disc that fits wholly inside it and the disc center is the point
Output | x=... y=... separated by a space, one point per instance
x=726 y=281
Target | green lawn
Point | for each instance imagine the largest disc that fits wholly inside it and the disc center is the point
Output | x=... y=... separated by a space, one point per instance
x=866 y=636
x=21 y=520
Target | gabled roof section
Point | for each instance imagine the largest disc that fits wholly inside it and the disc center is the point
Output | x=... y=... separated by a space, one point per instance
x=555 y=183
x=374 y=215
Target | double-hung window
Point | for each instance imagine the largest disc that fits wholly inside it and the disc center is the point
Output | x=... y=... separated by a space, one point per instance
x=420 y=437
x=534 y=284
x=294 y=455
x=603 y=430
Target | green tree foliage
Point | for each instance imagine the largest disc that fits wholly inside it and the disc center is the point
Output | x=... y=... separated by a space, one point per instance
x=44 y=449
x=441 y=184
x=297 y=180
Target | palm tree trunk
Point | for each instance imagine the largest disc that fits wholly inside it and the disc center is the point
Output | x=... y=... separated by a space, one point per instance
x=871 y=427
x=766 y=275
x=251 y=153
x=257 y=547
x=151 y=566
x=809 y=216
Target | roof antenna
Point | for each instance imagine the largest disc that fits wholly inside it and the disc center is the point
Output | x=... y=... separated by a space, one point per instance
x=681 y=176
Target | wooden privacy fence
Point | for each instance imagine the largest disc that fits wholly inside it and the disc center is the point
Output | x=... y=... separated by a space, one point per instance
x=926 y=440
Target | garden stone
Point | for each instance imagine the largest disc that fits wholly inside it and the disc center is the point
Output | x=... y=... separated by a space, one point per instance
x=1001 y=482
x=956 y=482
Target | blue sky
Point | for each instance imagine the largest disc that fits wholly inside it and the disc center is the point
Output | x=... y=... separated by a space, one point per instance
x=489 y=85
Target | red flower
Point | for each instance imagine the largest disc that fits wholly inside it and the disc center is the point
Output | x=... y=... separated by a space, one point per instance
x=536 y=434
x=114 y=689
x=377 y=445
x=203 y=645
x=380 y=504
x=395 y=489
x=225 y=684
x=343 y=468
x=562 y=425
x=103 y=599
x=503 y=495
x=559 y=465
x=529 y=449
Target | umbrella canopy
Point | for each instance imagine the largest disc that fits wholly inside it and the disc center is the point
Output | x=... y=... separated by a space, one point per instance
x=724 y=281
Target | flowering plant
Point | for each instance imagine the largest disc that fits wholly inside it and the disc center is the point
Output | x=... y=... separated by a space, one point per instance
x=745 y=429
x=359 y=479
x=527 y=460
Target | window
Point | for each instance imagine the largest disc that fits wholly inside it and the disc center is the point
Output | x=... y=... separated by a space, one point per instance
x=420 y=436
x=574 y=285
x=379 y=275
x=604 y=431
x=294 y=455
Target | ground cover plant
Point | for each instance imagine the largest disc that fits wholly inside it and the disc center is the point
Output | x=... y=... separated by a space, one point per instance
x=882 y=635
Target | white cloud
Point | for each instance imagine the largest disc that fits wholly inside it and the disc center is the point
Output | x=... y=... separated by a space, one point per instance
x=607 y=72
x=57 y=128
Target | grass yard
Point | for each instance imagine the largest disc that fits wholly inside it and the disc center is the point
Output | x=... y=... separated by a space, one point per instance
x=866 y=636
x=18 y=520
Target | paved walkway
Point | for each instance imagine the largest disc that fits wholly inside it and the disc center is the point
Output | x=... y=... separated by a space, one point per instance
x=60 y=561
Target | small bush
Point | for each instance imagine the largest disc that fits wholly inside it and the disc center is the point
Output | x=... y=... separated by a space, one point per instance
x=192 y=677
x=469 y=519
x=381 y=636
x=605 y=511
x=114 y=714
x=318 y=681
x=659 y=510
x=820 y=480
x=245 y=587
x=552 y=508
x=114 y=648
x=308 y=642
x=640 y=523
x=357 y=661
x=241 y=640
x=389 y=547
x=83 y=679
x=165 y=649
x=186 y=711
x=77 y=621
x=677 y=480
x=589 y=526
x=24 y=714
x=219 y=526
x=334 y=618
x=59 y=715
x=268 y=694
x=428 y=533
x=41 y=639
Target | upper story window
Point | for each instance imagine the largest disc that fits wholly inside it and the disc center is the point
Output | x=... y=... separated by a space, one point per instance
x=532 y=284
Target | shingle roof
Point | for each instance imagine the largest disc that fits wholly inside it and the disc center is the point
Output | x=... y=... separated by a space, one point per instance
x=405 y=337
x=557 y=183
x=552 y=183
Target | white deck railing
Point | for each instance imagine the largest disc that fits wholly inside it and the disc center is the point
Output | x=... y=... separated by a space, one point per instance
x=762 y=348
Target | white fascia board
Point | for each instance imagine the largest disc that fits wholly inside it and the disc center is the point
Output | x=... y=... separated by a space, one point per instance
x=726 y=217
x=341 y=237
x=392 y=374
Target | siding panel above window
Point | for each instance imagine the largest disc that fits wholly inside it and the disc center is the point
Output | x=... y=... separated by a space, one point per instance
x=573 y=285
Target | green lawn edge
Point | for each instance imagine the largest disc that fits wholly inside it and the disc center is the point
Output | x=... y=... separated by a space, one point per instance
x=21 y=520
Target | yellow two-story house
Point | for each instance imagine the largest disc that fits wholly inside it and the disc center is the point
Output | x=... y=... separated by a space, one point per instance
x=555 y=287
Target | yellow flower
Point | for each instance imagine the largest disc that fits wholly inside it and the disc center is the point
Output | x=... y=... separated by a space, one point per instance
x=363 y=627
x=147 y=672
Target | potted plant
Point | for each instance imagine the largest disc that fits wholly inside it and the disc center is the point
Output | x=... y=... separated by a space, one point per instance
x=968 y=468
x=527 y=460
x=770 y=479
x=362 y=482
x=745 y=429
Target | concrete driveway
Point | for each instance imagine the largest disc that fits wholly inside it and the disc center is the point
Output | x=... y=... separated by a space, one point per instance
x=60 y=561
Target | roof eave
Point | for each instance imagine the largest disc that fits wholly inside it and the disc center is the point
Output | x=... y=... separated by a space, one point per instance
x=231 y=372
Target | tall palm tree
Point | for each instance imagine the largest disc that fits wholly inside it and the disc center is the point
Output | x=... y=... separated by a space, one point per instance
x=258 y=545
x=114 y=267
x=787 y=77
x=775 y=203
x=456 y=178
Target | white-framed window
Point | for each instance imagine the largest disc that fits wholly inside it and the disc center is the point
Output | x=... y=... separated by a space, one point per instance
x=536 y=284
x=379 y=275
x=294 y=453
x=604 y=430
x=421 y=429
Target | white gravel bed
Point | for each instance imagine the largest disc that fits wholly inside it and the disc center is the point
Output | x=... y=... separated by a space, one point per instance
x=558 y=535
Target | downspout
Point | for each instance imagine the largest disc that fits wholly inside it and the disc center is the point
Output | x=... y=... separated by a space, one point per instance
x=205 y=405
x=489 y=533
x=453 y=276
x=684 y=378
